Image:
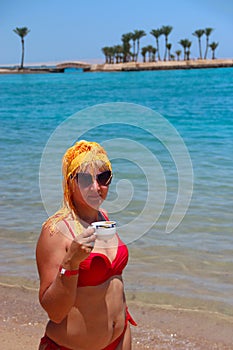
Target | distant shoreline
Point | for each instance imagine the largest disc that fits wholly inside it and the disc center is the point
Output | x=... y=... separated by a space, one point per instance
x=161 y=65
x=122 y=67
x=28 y=70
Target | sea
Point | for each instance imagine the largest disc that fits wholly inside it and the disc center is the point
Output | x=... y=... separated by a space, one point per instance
x=169 y=135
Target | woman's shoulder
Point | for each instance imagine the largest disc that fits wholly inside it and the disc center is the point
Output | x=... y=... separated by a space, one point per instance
x=54 y=231
x=51 y=243
x=51 y=232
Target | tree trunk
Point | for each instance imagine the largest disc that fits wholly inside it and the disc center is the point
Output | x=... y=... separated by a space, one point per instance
x=138 y=49
x=157 y=41
x=22 y=58
x=200 y=48
x=165 y=54
x=207 y=46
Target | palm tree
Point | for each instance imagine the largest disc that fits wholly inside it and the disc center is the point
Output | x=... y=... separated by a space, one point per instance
x=169 y=46
x=138 y=34
x=150 y=52
x=186 y=44
x=166 y=30
x=178 y=53
x=183 y=43
x=22 y=32
x=156 y=33
x=112 y=53
x=189 y=43
x=213 y=47
x=118 y=53
x=105 y=51
x=198 y=33
x=134 y=38
x=126 y=46
x=208 y=31
x=154 y=50
x=143 y=53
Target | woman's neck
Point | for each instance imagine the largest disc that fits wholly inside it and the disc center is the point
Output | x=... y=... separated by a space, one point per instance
x=88 y=216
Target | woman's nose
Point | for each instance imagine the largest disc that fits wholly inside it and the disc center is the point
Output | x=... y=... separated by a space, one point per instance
x=95 y=185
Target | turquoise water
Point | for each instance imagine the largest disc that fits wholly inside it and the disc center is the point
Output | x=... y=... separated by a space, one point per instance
x=190 y=267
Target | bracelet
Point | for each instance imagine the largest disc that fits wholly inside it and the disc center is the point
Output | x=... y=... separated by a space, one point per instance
x=68 y=273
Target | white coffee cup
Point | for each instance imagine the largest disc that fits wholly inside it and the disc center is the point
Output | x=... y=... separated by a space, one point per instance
x=104 y=230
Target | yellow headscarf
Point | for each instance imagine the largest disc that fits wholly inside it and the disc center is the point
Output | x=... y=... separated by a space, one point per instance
x=77 y=158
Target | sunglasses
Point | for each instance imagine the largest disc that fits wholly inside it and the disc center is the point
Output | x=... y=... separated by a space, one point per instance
x=86 y=179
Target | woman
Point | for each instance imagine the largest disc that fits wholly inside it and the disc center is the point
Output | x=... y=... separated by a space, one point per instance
x=81 y=285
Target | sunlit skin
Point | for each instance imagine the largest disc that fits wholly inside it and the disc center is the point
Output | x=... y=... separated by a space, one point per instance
x=81 y=318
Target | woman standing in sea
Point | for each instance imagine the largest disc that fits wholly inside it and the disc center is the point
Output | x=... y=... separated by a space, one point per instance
x=81 y=286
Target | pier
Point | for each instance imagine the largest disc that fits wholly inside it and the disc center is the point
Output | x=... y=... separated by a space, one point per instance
x=73 y=64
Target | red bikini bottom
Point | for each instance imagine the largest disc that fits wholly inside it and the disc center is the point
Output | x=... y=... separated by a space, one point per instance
x=48 y=344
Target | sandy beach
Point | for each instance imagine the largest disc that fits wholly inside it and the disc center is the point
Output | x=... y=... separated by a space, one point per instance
x=23 y=321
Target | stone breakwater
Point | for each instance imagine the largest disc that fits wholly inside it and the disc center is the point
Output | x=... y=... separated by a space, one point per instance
x=161 y=65
x=123 y=67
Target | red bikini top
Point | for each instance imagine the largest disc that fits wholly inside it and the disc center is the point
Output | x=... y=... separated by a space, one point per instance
x=97 y=268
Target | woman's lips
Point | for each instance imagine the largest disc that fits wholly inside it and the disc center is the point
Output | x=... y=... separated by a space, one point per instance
x=94 y=198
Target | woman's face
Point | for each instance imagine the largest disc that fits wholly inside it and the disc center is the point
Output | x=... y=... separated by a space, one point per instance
x=90 y=188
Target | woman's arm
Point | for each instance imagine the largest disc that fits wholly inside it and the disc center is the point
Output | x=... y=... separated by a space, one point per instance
x=58 y=292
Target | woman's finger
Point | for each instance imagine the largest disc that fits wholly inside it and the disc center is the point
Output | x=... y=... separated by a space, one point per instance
x=88 y=232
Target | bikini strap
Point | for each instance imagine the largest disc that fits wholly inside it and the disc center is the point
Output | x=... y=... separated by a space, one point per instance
x=104 y=214
x=69 y=228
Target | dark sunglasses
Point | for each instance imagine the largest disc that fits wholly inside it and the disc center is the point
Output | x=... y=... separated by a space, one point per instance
x=85 y=179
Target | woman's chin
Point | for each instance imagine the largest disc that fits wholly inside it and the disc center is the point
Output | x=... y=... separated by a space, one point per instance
x=94 y=202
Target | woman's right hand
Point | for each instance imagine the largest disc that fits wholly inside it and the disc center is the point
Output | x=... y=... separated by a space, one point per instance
x=79 y=249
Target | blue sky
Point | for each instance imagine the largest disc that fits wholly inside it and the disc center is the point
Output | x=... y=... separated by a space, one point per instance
x=78 y=29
